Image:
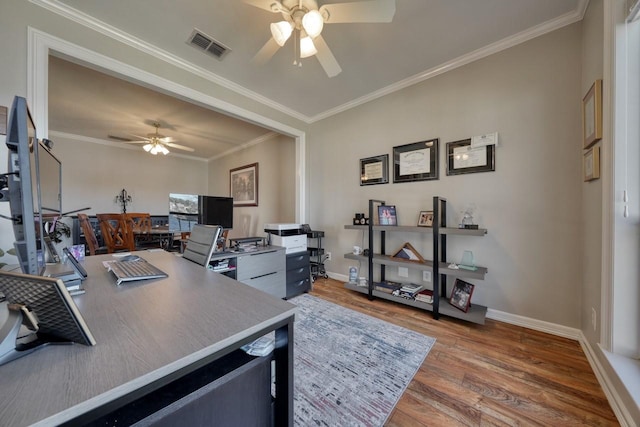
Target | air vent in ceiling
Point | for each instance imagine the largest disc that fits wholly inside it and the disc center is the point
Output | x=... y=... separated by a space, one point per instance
x=208 y=44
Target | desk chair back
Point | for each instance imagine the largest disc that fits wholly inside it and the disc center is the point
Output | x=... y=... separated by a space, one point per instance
x=115 y=232
x=202 y=243
x=140 y=225
x=90 y=235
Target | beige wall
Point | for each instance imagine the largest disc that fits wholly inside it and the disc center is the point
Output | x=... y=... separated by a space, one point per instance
x=93 y=174
x=276 y=185
x=531 y=205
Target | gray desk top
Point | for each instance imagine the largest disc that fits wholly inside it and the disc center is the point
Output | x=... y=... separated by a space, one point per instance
x=144 y=331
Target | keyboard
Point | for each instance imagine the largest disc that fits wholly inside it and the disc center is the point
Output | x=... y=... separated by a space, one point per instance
x=140 y=269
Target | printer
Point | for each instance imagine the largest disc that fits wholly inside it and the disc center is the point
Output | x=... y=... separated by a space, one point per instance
x=292 y=237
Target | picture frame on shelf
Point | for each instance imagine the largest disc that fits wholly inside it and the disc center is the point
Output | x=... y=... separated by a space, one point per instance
x=243 y=182
x=592 y=115
x=374 y=170
x=591 y=164
x=461 y=295
x=408 y=253
x=387 y=215
x=425 y=219
x=418 y=161
x=463 y=158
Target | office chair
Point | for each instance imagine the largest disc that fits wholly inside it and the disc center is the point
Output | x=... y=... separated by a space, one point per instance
x=202 y=243
x=116 y=233
x=90 y=236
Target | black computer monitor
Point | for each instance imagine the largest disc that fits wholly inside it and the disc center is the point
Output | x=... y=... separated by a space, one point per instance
x=22 y=188
x=186 y=210
x=216 y=210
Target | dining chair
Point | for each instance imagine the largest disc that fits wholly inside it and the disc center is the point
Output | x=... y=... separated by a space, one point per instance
x=139 y=223
x=115 y=232
x=90 y=235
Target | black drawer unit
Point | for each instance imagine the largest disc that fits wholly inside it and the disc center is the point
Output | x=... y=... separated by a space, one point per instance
x=298 y=274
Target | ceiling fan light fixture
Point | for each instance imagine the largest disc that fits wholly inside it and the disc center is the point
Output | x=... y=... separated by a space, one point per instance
x=281 y=31
x=312 y=22
x=147 y=147
x=163 y=149
x=307 y=48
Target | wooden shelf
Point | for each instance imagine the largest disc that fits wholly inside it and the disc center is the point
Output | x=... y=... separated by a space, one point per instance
x=475 y=314
x=414 y=229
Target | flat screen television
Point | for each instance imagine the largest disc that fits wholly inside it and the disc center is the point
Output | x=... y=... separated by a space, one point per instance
x=24 y=199
x=185 y=210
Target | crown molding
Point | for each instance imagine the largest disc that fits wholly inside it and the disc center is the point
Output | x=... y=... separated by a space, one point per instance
x=263 y=138
x=110 y=31
x=506 y=43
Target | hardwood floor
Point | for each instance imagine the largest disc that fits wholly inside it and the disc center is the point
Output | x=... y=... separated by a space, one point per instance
x=487 y=375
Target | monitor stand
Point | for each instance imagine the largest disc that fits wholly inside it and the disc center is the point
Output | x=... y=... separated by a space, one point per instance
x=12 y=346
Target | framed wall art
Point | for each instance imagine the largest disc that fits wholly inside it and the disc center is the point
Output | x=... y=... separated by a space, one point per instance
x=244 y=185
x=591 y=164
x=374 y=170
x=463 y=158
x=592 y=115
x=416 y=162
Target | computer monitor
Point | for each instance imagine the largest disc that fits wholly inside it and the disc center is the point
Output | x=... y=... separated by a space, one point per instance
x=186 y=210
x=216 y=210
x=22 y=188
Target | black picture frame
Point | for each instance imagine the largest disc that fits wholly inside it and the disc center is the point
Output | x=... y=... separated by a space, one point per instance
x=481 y=159
x=374 y=170
x=243 y=185
x=387 y=215
x=418 y=161
x=461 y=295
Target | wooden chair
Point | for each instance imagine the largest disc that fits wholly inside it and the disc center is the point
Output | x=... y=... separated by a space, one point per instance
x=115 y=232
x=90 y=236
x=140 y=225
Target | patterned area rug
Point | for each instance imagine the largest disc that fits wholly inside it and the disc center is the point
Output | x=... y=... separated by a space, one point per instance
x=350 y=369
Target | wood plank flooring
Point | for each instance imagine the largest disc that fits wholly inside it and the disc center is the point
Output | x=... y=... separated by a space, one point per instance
x=487 y=375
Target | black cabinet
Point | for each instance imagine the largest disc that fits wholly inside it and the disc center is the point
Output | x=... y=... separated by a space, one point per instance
x=298 y=274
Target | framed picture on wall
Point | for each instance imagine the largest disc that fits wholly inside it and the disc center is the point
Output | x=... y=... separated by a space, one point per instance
x=592 y=115
x=417 y=161
x=463 y=158
x=244 y=185
x=374 y=170
x=591 y=164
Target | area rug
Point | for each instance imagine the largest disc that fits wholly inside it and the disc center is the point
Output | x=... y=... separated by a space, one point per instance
x=350 y=369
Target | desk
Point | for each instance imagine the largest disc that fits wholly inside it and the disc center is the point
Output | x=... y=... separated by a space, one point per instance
x=148 y=334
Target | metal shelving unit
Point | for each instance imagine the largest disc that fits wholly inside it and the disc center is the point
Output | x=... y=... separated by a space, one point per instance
x=440 y=269
x=317 y=256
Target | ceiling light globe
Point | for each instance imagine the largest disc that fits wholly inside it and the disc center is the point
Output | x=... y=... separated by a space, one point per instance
x=281 y=31
x=154 y=149
x=147 y=147
x=164 y=150
x=312 y=23
x=307 y=48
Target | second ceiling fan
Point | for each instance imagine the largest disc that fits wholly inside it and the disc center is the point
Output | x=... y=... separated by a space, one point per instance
x=304 y=20
x=156 y=143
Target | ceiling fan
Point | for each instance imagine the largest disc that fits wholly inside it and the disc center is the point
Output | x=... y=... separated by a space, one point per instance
x=304 y=20
x=157 y=143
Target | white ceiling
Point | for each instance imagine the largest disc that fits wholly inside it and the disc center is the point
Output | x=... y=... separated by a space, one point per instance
x=425 y=38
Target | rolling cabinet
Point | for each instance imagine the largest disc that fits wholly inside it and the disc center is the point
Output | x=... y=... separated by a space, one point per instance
x=298 y=274
x=439 y=265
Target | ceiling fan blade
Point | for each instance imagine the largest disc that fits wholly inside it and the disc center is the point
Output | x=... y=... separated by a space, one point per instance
x=167 y=139
x=266 y=52
x=141 y=137
x=268 y=5
x=136 y=142
x=326 y=58
x=178 y=146
x=362 y=11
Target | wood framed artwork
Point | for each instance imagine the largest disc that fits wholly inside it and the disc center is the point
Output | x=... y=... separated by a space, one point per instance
x=387 y=215
x=374 y=170
x=417 y=161
x=408 y=253
x=591 y=164
x=244 y=185
x=463 y=158
x=592 y=115
x=425 y=219
x=461 y=295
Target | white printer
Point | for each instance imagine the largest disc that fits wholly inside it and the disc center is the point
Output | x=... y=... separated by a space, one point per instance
x=292 y=237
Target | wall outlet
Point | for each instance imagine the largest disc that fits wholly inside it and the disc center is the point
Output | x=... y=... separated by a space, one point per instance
x=426 y=276
x=328 y=256
x=403 y=272
x=594 y=318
